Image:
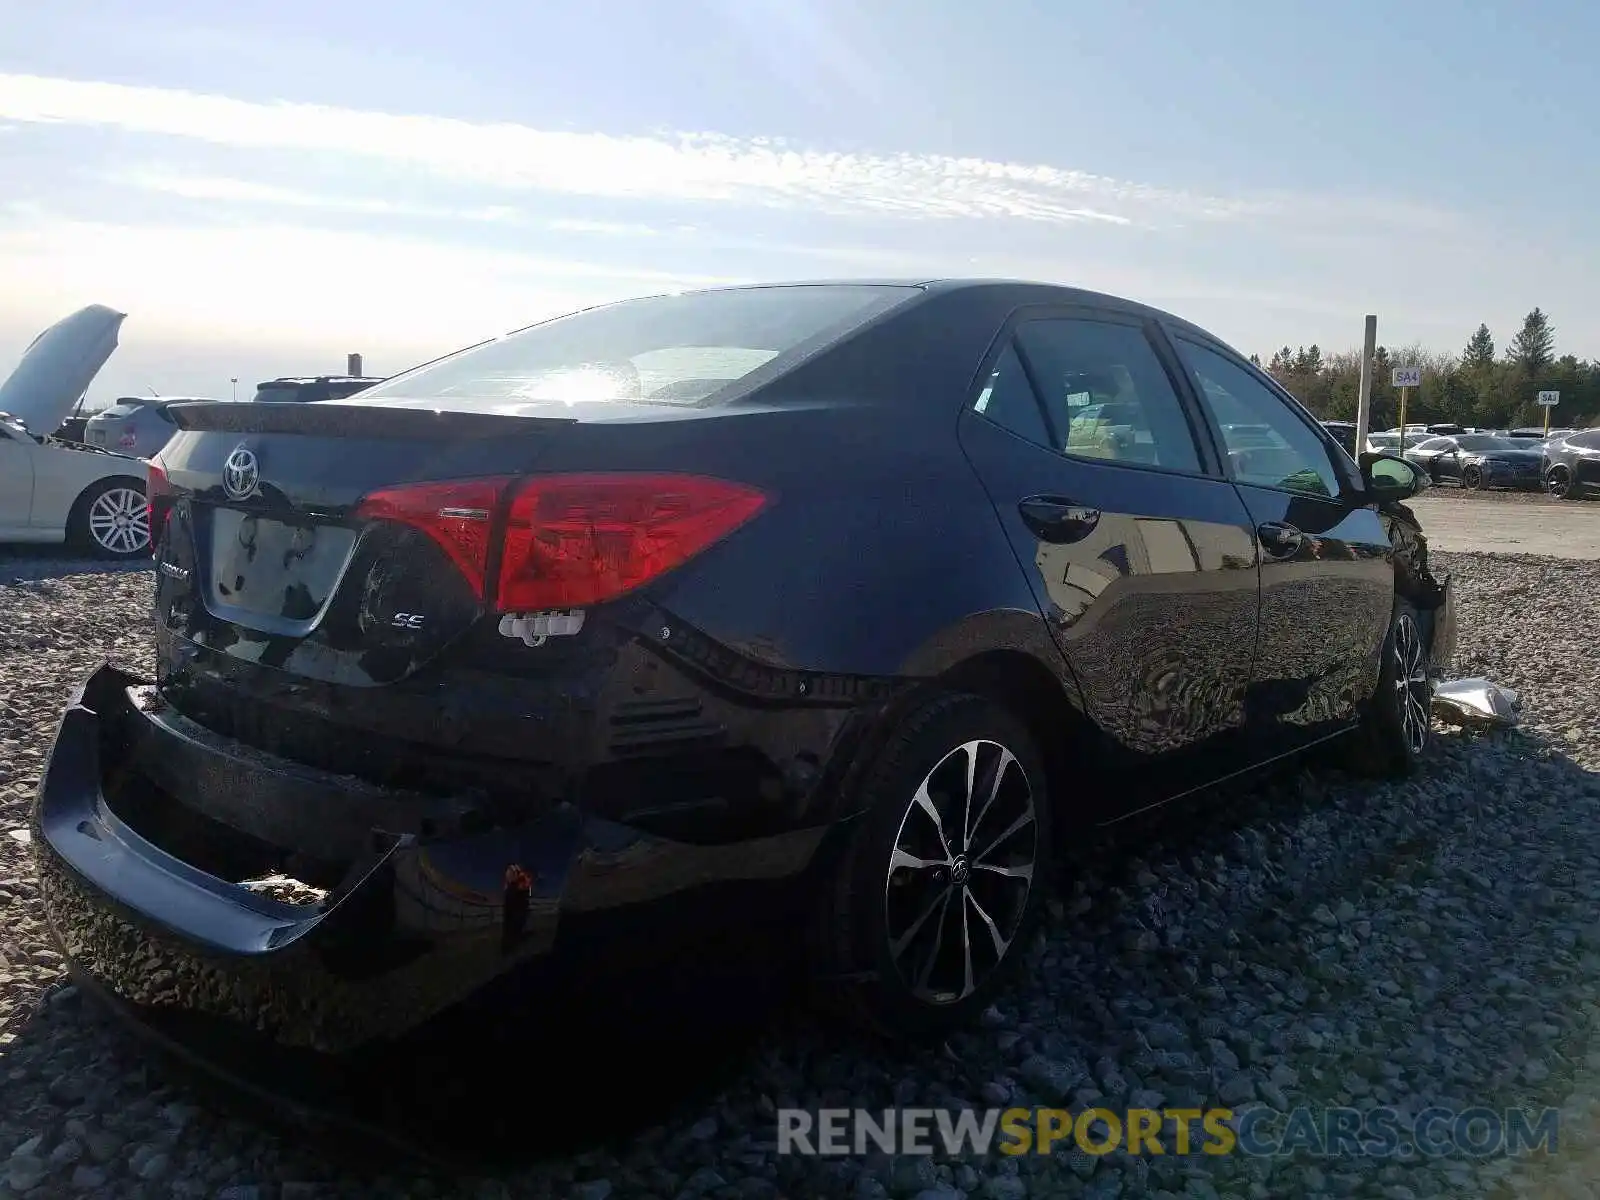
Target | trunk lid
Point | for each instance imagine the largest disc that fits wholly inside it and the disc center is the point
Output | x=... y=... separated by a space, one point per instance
x=267 y=558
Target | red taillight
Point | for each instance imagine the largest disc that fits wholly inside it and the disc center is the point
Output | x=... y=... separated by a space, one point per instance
x=570 y=541
x=158 y=500
x=577 y=540
x=457 y=515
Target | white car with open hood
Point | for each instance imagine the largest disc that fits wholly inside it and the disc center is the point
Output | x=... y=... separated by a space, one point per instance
x=53 y=491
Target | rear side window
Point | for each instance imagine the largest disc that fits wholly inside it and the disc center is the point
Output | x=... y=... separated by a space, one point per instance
x=688 y=350
x=1008 y=400
x=1105 y=394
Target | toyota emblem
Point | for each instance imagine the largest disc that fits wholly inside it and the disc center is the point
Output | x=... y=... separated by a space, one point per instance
x=240 y=474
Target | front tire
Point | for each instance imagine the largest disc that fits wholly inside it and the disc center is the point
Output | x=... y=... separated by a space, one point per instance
x=1559 y=483
x=1472 y=479
x=943 y=876
x=111 y=520
x=1397 y=728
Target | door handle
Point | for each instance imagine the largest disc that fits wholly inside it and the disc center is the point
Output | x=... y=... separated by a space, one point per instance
x=1279 y=540
x=1056 y=519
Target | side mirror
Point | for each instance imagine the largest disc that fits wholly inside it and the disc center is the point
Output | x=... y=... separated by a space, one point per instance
x=1390 y=478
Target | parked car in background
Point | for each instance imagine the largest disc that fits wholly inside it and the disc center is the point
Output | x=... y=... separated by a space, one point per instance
x=56 y=491
x=650 y=611
x=1571 y=464
x=1478 y=460
x=135 y=424
x=71 y=429
x=1390 y=441
x=1344 y=432
x=290 y=390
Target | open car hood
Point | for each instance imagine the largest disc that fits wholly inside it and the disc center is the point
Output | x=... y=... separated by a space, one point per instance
x=59 y=366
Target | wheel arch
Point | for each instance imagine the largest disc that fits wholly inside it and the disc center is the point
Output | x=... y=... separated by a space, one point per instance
x=1007 y=657
x=1026 y=688
x=77 y=512
x=95 y=485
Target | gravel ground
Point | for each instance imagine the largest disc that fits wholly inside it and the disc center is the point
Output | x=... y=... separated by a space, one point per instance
x=1446 y=491
x=1313 y=940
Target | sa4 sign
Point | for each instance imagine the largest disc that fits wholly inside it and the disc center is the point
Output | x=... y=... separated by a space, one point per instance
x=1406 y=377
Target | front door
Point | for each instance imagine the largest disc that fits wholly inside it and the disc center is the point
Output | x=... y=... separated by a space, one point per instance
x=1141 y=557
x=1327 y=573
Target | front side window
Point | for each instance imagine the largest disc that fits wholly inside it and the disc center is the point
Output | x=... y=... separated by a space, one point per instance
x=1266 y=442
x=684 y=350
x=1105 y=394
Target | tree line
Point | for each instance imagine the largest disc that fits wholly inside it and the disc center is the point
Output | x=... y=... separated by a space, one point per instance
x=1477 y=387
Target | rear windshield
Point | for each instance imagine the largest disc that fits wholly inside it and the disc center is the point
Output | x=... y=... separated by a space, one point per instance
x=685 y=350
x=126 y=408
x=282 y=393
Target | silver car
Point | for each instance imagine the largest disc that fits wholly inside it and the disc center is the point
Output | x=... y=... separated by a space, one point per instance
x=137 y=425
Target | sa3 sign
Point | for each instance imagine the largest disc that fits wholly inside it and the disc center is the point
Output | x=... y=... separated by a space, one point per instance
x=1406 y=377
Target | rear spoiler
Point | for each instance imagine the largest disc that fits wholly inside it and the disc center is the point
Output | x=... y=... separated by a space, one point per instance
x=331 y=419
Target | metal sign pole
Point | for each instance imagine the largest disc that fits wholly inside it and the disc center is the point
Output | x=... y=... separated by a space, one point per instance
x=1404 y=378
x=1548 y=401
x=1369 y=346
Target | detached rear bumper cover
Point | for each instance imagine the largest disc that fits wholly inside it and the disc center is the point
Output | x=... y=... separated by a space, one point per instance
x=1443 y=647
x=427 y=921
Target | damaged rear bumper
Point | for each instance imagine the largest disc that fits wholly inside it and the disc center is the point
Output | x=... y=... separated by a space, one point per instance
x=437 y=903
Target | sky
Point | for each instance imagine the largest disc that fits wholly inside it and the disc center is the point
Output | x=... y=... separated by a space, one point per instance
x=265 y=187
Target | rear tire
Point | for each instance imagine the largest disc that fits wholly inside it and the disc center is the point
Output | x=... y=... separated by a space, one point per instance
x=941 y=880
x=111 y=520
x=1397 y=728
x=1472 y=479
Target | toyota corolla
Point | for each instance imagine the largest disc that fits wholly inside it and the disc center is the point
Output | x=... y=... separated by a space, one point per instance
x=834 y=606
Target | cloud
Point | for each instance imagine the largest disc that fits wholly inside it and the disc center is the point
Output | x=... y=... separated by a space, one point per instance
x=244 y=191
x=250 y=192
x=263 y=283
x=703 y=167
x=613 y=228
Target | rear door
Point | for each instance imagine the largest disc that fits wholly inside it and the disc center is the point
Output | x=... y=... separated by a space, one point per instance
x=1142 y=558
x=1327 y=574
